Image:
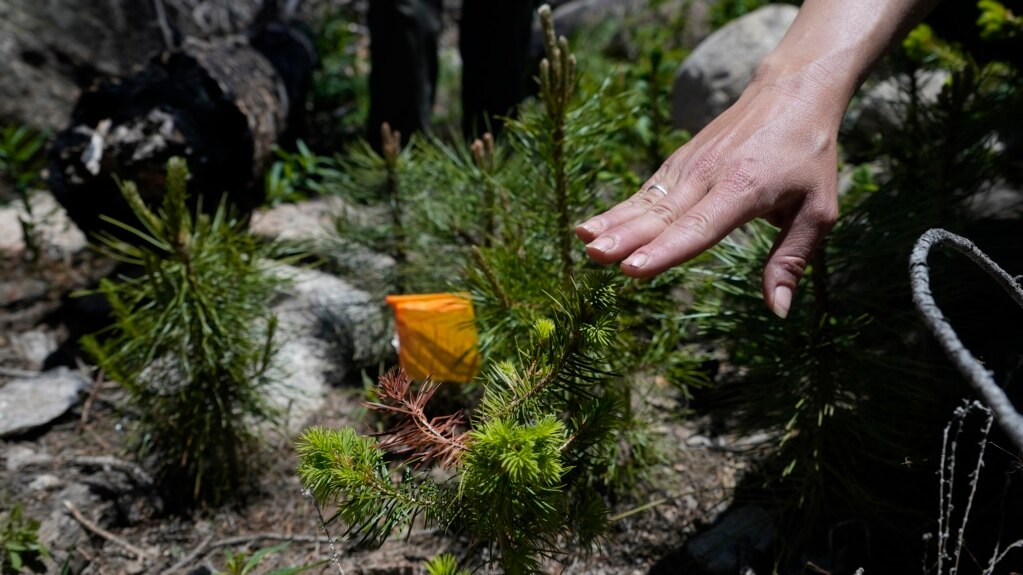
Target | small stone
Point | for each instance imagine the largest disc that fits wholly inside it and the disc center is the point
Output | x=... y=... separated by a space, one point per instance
x=57 y=237
x=310 y=220
x=45 y=482
x=26 y=404
x=33 y=347
x=19 y=456
x=720 y=550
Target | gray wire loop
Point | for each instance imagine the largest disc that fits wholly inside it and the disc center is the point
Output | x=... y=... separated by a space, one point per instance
x=976 y=374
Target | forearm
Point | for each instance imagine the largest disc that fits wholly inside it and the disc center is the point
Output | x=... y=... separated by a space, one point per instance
x=832 y=46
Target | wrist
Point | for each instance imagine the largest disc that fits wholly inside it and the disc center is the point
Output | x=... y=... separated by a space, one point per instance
x=824 y=84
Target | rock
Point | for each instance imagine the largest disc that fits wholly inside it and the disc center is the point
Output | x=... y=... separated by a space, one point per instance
x=883 y=106
x=26 y=404
x=308 y=221
x=571 y=17
x=715 y=74
x=727 y=547
x=326 y=329
x=50 y=50
x=45 y=482
x=311 y=223
x=57 y=238
x=21 y=290
x=31 y=348
x=576 y=16
x=19 y=456
x=998 y=201
x=60 y=533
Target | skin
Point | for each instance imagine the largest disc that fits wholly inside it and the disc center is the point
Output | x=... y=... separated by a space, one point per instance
x=772 y=155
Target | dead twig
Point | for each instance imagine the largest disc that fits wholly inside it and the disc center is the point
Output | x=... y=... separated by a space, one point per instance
x=108 y=462
x=93 y=393
x=187 y=559
x=89 y=525
x=240 y=539
x=102 y=442
x=208 y=544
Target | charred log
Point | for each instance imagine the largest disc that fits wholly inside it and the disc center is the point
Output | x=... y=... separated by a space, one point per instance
x=221 y=104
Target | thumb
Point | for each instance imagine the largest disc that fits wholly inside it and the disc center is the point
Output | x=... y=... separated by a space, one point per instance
x=791 y=253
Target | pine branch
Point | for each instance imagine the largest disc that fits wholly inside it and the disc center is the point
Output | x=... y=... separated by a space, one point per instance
x=423 y=439
x=976 y=374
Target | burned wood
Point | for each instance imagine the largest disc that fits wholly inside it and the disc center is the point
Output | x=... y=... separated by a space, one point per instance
x=221 y=104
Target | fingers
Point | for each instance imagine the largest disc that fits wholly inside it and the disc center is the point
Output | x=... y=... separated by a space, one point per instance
x=792 y=250
x=682 y=237
x=635 y=228
x=650 y=194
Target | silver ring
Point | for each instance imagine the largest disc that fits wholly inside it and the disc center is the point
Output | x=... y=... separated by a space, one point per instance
x=659 y=188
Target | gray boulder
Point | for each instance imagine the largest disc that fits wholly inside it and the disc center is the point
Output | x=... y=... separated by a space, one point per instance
x=729 y=545
x=713 y=77
x=30 y=403
x=326 y=330
x=50 y=50
x=311 y=224
x=884 y=103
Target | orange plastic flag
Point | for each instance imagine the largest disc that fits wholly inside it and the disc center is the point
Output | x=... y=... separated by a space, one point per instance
x=436 y=336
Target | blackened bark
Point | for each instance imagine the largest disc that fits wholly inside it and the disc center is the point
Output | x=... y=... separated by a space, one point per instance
x=221 y=104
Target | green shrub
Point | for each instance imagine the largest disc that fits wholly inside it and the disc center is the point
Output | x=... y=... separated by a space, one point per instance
x=299 y=175
x=445 y=564
x=192 y=341
x=21 y=158
x=554 y=434
x=20 y=549
x=523 y=475
x=21 y=165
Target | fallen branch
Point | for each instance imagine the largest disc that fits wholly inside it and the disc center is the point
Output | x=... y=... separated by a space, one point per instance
x=240 y=539
x=187 y=559
x=89 y=525
x=208 y=544
x=19 y=373
x=107 y=462
x=976 y=374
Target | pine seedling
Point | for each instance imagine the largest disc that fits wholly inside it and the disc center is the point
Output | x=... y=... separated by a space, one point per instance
x=531 y=468
x=192 y=341
x=444 y=564
x=521 y=476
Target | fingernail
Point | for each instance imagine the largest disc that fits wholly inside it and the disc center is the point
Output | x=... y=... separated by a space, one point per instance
x=636 y=261
x=593 y=226
x=601 y=244
x=782 y=301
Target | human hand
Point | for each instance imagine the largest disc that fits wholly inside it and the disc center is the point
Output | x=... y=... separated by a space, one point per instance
x=771 y=155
